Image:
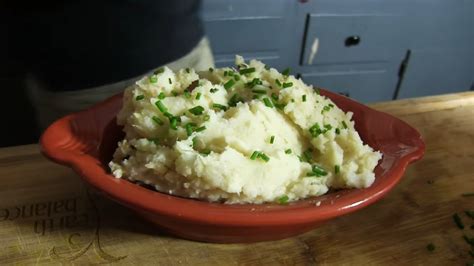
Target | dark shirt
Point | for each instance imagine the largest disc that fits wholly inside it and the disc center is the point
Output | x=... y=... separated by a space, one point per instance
x=70 y=45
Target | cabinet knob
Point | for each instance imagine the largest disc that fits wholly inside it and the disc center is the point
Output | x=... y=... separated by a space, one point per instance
x=352 y=40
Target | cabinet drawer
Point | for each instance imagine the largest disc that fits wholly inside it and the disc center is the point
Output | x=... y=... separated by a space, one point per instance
x=346 y=39
x=366 y=86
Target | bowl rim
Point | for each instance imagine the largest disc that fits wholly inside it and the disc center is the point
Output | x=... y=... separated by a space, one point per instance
x=192 y=210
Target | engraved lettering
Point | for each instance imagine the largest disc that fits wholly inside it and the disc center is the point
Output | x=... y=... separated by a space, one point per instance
x=18 y=212
x=4 y=214
x=40 y=209
x=58 y=206
x=27 y=212
x=40 y=227
x=71 y=205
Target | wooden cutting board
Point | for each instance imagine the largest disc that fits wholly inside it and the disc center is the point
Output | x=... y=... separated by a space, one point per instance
x=48 y=216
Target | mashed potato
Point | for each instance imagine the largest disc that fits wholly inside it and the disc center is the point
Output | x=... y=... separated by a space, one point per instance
x=244 y=135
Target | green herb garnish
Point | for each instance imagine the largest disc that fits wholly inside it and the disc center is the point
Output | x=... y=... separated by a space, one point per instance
x=187 y=94
x=139 y=97
x=317 y=171
x=235 y=99
x=344 y=124
x=197 y=110
x=229 y=84
x=457 y=220
x=278 y=82
x=264 y=157
x=198 y=96
x=169 y=81
x=213 y=90
x=430 y=247
x=303 y=98
x=187 y=70
x=155 y=140
x=161 y=107
x=157 y=120
x=283 y=199
x=205 y=152
x=199 y=129
x=219 y=106
x=274 y=96
x=307 y=155
x=189 y=128
x=211 y=69
x=153 y=79
x=272 y=139
x=174 y=123
x=288 y=151
x=315 y=130
x=287 y=84
x=338 y=131
x=247 y=71
x=259 y=91
x=254 y=155
x=267 y=102
x=161 y=96
x=337 y=169
x=325 y=109
x=286 y=72
x=159 y=70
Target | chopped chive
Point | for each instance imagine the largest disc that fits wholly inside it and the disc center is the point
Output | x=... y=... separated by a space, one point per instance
x=345 y=126
x=274 y=96
x=211 y=69
x=338 y=131
x=169 y=81
x=254 y=155
x=288 y=151
x=198 y=96
x=267 y=67
x=187 y=94
x=283 y=199
x=205 y=152
x=247 y=71
x=199 y=129
x=213 y=90
x=219 y=106
x=315 y=130
x=264 y=157
x=168 y=115
x=155 y=140
x=287 y=84
x=235 y=99
x=325 y=109
x=153 y=79
x=194 y=142
x=328 y=127
x=469 y=213
x=174 y=123
x=430 y=247
x=319 y=171
x=303 y=98
x=161 y=107
x=197 y=110
x=280 y=105
x=187 y=70
x=317 y=91
x=286 y=72
x=159 y=71
x=267 y=102
x=259 y=91
x=470 y=241
x=189 y=129
x=307 y=155
x=161 y=96
x=157 y=120
x=236 y=77
x=470 y=194
x=139 y=97
x=331 y=105
x=272 y=139
x=175 y=93
x=337 y=169
x=229 y=84
x=225 y=73
x=457 y=220
x=255 y=81
x=278 y=82
x=292 y=100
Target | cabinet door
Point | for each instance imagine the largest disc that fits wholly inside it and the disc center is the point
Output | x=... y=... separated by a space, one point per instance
x=432 y=72
x=253 y=29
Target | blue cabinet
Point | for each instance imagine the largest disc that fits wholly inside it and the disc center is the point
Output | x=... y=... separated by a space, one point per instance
x=351 y=47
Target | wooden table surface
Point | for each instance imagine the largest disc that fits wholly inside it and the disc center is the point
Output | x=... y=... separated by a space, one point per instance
x=48 y=216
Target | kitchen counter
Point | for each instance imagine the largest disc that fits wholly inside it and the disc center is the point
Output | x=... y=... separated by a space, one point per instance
x=48 y=215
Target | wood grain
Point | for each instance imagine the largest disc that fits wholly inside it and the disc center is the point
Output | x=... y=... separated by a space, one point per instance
x=48 y=216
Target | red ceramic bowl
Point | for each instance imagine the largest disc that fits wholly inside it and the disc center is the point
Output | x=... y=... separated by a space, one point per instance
x=86 y=140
